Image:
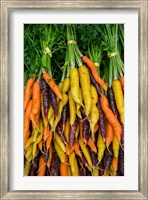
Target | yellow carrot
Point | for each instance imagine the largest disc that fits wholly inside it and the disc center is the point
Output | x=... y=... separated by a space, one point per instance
x=27 y=168
x=61 y=105
x=74 y=85
x=119 y=98
x=85 y=86
x=72 y=108
x=67 y=129
x=116 y=147
x=60 y=153
x=73 y=164
x=85 y=151
x=95 y=171
x=101 y=147
x=66 y=85
x=29 y=151
x=60 y=143
x=78 y=106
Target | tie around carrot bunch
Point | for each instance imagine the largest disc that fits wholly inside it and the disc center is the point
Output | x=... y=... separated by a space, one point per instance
x=74 y=127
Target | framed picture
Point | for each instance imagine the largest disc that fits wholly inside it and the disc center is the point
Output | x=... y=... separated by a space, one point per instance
x=15 y=17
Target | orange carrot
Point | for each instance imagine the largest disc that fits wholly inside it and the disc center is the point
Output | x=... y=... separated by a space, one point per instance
x=122 y=82
x=64 y=167
x=111 y=117
x=50 y=156
x=52 y=84
x=91 y=144
x=94 y=72
x=96 y=127
x=42 y=166
x=109 y=134
x=77 y=149
x=115 y=164
x=49 y=140
x=36 y=120
x=36 y=98
x=69 y=149
x=40 y=145
x=27 y=94
x=46 y=132
x=27 y=121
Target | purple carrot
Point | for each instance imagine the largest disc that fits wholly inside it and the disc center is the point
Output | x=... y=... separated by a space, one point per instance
x=101 y=121
x=82 y=171
x=101 y=167
x=45 y=92
x=122 y=138
x=47 y=172
x=72 y=133
x=93 y=156
x=55 y=164
x=85 y=126
x=61 y=134
x=82 y=168
x=65 y=113
x=88 y=173
x=53 y=100
x=34 y=166
x=112 y=101
x=84 y=161
x=96 y=85
x=86 y=130
x=121 y=163
x=108 y=158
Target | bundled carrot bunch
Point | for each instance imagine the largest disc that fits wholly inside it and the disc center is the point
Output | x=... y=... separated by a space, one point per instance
x=75 y=128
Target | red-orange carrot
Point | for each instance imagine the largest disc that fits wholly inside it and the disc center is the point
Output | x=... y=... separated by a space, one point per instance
x=111 y=117
x=42 y=166
x=64 y=167
x=122 y=82
x=27 y=122
x=94 y=72
x=27 y=94
x=52 y=84
x=109 y=134
x=36 y=98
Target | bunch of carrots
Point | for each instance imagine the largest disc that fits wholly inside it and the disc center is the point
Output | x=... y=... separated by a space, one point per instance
x=76 y=127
